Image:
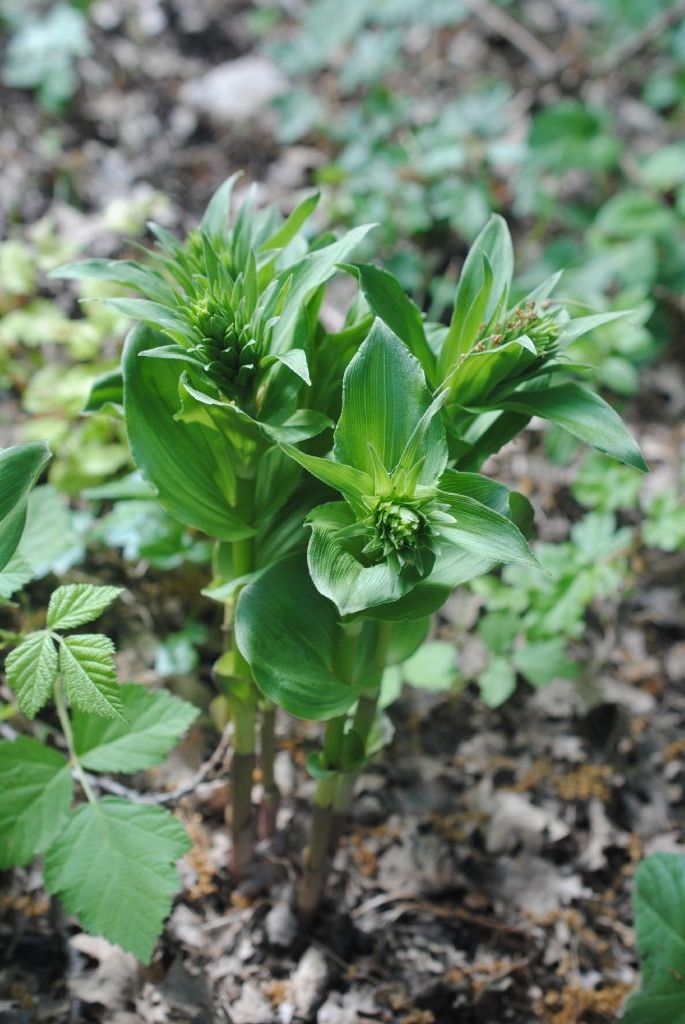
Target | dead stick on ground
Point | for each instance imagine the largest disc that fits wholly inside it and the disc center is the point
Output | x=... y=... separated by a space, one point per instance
x=635 y=43
x=518 y=35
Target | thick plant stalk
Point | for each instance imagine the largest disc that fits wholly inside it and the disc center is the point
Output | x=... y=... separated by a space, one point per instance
x=271 y=795
x=334 y=792
x=318 y=854
x=243 y=705
x=362 y=724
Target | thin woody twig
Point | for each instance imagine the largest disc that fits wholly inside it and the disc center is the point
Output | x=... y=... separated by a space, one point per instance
x=640 y=40
x=204 y=771
x=518 y=35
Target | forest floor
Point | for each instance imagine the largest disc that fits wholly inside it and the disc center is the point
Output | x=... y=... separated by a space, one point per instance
x=486 y=874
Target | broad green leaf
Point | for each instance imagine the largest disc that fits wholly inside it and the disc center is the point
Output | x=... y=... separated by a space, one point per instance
x=497 y=682
x=585 y=415
x=488 y=268
x=36 y=787
x=406 y=639
x=32 y=670
x=151 y=313
x=481 y=530
x=389 y=301
x=186 y=462
x=469 y=313
x=86 y=662
x=338 y=571
x=581 y=325
x=296 y=361
x=308 y=275
x=351 y=482
x=215 y=218
x=384 y=399
x=125 y=272
x=114 y=868
x=76 y=603
x=289 y=634
x=300 y=426
x=155 y=722
x=475 y=378
x=106 y=394
x=659 y=902
x=20 y=467
x=287 y=231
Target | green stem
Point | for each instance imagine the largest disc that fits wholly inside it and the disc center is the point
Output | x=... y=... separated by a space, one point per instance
x=243 y=705
x=365 y=716
x=65 y=722
x=270 y=793
x=321 y=841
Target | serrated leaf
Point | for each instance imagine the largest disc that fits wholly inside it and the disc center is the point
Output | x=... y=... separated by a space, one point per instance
x=36 y=787
x=31 y=671
x=155 y=722
x=660 y=925
x=76 y=603
x=113 y=867
x=86 y=662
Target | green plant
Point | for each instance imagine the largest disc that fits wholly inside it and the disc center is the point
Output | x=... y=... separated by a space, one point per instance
x=229 y=388
x=42 y=53
x=659 y=902
x=110 y=861
x=129 y=847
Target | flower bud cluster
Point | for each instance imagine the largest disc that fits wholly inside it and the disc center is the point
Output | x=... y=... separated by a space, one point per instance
x=227 y=346
x=542 y=329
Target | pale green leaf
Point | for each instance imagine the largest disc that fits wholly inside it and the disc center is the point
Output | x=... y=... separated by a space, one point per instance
x=432 y=667
x=36 y=787
x=660 y=925
x=155 y=722
x=31 y=671
x=86 y=662
x=215 y=218
x=114 y=868
x=76 y=603
x=497 y=682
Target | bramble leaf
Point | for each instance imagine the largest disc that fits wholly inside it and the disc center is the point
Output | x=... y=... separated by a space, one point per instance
x=86 y=661
x=76 y=603
x=36 y=787
x=660 y=924
x=32 y=670
x=113 y=867
x=156 y=721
